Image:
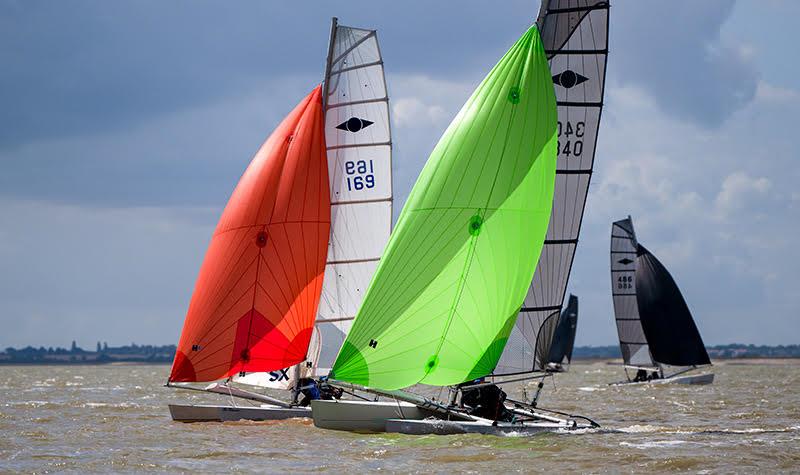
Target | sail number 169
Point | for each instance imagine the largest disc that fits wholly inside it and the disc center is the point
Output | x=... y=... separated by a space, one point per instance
x=359 y=175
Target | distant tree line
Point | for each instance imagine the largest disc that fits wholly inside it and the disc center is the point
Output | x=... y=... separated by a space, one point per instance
x=76 y=355
x=134 y=353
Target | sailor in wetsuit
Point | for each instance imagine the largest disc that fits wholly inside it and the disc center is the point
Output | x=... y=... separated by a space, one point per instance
x=641 y=376
x=486 y=402
x=311 y=391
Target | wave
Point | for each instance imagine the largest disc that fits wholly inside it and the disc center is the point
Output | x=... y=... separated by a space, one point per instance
x=653 y=429
x=591 y=389
x=654 y=444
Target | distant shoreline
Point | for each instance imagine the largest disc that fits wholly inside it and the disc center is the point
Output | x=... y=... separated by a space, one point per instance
x=134 y=354
x=83 y=363
x=744 y=361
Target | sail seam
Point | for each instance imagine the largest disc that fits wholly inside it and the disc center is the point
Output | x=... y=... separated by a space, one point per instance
x=556 y=52
x=561 y=241
x=579 y=104
x=360 y=66
x=574 y=172
x=540 y=309
x=599 y=6
x=354 y=261
x=356 y=145
x=356 y=202
x=355 y=103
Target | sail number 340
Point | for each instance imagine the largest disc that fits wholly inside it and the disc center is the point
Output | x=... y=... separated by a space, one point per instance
x=359 y=175
x=571 y=145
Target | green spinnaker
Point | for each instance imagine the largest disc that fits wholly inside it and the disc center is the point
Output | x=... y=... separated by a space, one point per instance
x=456 y=269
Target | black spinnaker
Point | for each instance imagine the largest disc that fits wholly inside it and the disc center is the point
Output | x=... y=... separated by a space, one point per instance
x=666 y=320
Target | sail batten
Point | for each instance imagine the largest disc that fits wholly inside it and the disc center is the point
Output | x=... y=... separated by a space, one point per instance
x=575 y=38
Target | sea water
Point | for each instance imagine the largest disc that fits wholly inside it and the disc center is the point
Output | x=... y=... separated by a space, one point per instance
x=115 y=419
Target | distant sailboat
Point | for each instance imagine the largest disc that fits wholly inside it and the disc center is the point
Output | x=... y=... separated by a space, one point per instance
x=656 y=329
x=296 y=246
x=564 y=338
x=448 y=289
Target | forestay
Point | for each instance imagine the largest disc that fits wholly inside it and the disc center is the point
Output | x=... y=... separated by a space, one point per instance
x=448 y=288
x=632 y=340
x=359 y=141
x=575 y=37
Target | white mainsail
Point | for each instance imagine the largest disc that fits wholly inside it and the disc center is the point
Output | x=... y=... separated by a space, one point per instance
x=632 y=342
x=359 y=141
x=575 y=37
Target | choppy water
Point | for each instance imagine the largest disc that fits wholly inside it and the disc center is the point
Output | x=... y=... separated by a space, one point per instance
x=115 y=419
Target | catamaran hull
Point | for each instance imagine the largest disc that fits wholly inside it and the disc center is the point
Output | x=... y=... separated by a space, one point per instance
x=214 y=413
x=698 y=379
x=443 y=427
x=407 y=418
x=362 y=416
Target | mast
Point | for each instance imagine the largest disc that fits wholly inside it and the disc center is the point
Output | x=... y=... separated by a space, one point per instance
x=325 y=88
x=575 y=38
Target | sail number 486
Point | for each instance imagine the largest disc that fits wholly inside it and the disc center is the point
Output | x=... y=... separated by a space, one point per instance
x=625 y=282
x=571 y=146
x=359 y=175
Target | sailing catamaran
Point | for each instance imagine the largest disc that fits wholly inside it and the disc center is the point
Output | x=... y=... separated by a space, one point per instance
x=655 y=327
x=317 y=196
x=446 y=320
x=564 y=339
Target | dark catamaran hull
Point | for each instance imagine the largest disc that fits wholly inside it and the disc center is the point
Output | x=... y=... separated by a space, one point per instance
x=223 y=413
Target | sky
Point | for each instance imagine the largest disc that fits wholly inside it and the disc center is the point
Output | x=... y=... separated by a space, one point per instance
x=124 y=127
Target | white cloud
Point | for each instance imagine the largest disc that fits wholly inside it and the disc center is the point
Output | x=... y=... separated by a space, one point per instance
x=738 y=191
x=717 y=206
x=413 y=112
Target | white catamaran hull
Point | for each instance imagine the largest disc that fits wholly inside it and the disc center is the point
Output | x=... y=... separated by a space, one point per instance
x=220 y=413
x=407 y=418
x=703 y=378
x=362 y=416
x=483 y=426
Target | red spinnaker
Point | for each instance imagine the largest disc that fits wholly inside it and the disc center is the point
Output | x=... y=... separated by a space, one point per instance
x=255 y=300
